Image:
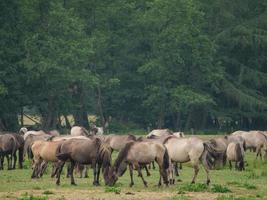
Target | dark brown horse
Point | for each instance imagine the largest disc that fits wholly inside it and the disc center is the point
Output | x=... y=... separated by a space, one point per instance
x=86 y=152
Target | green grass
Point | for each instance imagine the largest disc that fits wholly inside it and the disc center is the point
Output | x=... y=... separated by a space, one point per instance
x=249 y=184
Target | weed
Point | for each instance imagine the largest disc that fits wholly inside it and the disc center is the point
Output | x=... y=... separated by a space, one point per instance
x=26 y=196
x=249 y=186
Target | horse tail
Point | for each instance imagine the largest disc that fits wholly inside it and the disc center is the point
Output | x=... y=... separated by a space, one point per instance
x=166 y=159
x=210 y=154
x=238 y=152
x=244 y=145
x=122 y=154
x=60 y=155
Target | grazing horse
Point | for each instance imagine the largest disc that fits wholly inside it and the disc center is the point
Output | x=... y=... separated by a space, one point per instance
x=117 y=142
x=159 y=133
x=43 y=152
x=78 y=130
x=138 y=154
x=220 y=144
x=9 y=144
x=254 y=139
x=235 y=152
x=85 y=152
x=191 y=149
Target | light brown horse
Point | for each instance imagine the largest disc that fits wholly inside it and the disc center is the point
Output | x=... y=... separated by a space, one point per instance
x=43 y=152
x=138 y=154
x=235 y=152
x=191 y=149
x=117 y=142
x=254 y=139
x=9 y=144
x=78 y=131
x=86 y=152
x=220 y=144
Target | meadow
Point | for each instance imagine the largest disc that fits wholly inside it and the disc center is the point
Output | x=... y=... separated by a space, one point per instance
x=226 y=184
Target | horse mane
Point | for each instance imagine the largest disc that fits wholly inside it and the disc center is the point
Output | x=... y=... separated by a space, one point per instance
x=167 y=139
x=105 y=155
x=85 y=131
x=122 y=154
x=132 y=137
x=140 y=139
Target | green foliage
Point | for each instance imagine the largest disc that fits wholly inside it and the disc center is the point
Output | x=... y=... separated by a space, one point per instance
x=116 y=190
x=220 y=188
x=198 y=187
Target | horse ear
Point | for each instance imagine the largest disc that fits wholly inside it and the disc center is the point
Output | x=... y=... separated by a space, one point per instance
x=226 y=137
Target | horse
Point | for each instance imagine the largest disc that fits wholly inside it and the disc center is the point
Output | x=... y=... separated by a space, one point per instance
x=86 y=152
x=235 y=152
x=254 y=139
x=9 y=144
x=117 y=142
x=78 y=131
x=43 y=152
x=136 y=154
x=191 y=149
x=29 y=141
x=159 y=133
x=220 y=144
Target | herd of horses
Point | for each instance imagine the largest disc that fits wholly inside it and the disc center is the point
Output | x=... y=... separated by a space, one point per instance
x=84 y=148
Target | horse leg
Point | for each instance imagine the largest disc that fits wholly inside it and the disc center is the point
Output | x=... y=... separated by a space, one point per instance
x=68 y=171
x=131 y=174
x=86 y=171
x=181 y=166
x=258 y=150
x=61 y=165
x=147 y=172
x=176 y=168
x=141 y=175
x=196 y=170
x=15 y=160
x=98 y=173
x=8 y=162
x=72 y=165
x=230 y=165
x=153 y=165
x=95 y=183
x=207 y=173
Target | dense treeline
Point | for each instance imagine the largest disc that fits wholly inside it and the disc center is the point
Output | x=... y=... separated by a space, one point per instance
x=180 y=64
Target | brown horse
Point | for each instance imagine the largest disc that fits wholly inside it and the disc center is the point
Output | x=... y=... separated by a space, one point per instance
x=138 y=154
x=191 y=149
x=117 y=142
x=220 y=144
x=9 y=144
x=85 y=152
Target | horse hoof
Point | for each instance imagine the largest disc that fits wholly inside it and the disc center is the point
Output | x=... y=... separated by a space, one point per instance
x=148 y=174
x=208 y=182
x=145 y=184
x=74 y=184
x=193 y=182
x=131 y=185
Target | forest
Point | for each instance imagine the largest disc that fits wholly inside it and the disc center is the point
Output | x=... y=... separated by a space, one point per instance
x=178 y=64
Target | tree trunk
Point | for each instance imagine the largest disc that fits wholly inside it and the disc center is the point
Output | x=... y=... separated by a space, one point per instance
x=49 y=116
x=100 y=107
x=9 y=122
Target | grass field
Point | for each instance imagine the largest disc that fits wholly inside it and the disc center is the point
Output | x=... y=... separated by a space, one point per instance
x=225 y=185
